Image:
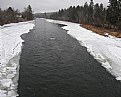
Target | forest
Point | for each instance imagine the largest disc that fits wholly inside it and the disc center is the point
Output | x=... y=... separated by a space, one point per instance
x=93 y=14
x=10 y=15
x=108 y=17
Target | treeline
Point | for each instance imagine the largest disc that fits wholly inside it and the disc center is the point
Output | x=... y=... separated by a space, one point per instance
x=93 y=14
x=11 y=15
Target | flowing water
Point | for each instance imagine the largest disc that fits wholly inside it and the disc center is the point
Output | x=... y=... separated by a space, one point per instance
x=53 y=64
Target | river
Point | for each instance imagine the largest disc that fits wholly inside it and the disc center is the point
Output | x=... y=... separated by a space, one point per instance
x=53 y=64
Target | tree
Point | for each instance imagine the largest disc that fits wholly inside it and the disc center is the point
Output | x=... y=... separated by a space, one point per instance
x=86 y=13
x=90 y=11
x=102 y=15
x=113 y=12
x=10 y=16
x=71 y=14
x=119 y=17
x=78 y=12
x=81 y=14
x=30 y=15
x=96 y=14
x=1 y=17
x=27 y=14
x=99 y=14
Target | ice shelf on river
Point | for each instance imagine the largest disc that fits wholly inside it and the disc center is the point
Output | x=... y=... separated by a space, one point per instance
x=10 y=48
x=107 y=50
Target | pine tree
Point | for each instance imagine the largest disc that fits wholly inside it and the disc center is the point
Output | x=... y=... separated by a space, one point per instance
x=10 y=15
x=96 y=14
x=71 y=13
x=119 y=3
x=27 y=14
x=30 y=15
x=99 y=14
x=113 y=12
x=61 y=13
x=86 y=13
x=90 y=11
x=1 y=17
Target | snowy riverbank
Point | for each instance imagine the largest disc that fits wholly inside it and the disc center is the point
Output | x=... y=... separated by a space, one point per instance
x=106 y=50
x=10 y=48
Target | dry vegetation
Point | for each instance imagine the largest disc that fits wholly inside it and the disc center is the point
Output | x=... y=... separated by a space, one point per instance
x=102 y=31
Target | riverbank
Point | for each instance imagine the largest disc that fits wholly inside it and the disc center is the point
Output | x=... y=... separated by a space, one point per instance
x=11 y=43
x=104 y=49
x=102 y=31
x=54 y=64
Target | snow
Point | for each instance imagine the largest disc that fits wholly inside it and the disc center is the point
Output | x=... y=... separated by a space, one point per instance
x=10 y=48
x=6 y=82
x=106 y=50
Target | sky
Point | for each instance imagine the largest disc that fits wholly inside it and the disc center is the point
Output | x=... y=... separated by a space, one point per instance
x=45 y=5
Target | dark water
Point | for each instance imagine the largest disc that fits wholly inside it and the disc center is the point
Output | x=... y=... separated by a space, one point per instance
x=55 y=65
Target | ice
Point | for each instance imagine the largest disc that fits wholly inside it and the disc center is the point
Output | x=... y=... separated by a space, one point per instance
x=12 y=93
x=10 y=48
x=106 y=50
x=10 y=76
x=6 y=82
x=118 y=78
x=2 y=93
x=116 y=51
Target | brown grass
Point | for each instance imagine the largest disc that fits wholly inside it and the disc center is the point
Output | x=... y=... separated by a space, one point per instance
x=102 y=31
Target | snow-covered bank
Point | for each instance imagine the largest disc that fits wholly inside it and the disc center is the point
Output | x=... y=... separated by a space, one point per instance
x=107 y=50
x=10 y=48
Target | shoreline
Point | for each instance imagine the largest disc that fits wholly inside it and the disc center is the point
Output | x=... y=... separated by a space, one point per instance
x=56 y=55
x=101 y=54
x=101 y=30
x=10 y=57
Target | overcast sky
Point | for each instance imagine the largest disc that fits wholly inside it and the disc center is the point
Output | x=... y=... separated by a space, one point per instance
x=44 y=5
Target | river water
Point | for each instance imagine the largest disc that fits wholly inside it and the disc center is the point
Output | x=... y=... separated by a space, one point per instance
x=53 y=64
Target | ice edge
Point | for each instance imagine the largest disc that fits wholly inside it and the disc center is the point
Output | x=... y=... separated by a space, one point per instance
x=96 y=56
x=10 y=72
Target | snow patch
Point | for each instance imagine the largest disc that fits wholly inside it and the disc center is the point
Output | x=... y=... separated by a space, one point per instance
x=10 y=48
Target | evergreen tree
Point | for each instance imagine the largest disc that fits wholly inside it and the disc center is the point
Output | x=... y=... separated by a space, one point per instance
x=27 y=14
x=119 y=3
x=90 y=11
x=86 y=13
x=102 y=15
x=96 y=14
x=60 y=14
x=113 y=12
x=30 y=15
x=1 y=17
x=119 y=17
x=70 y=13
x=78 y=13
x=10 y=16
